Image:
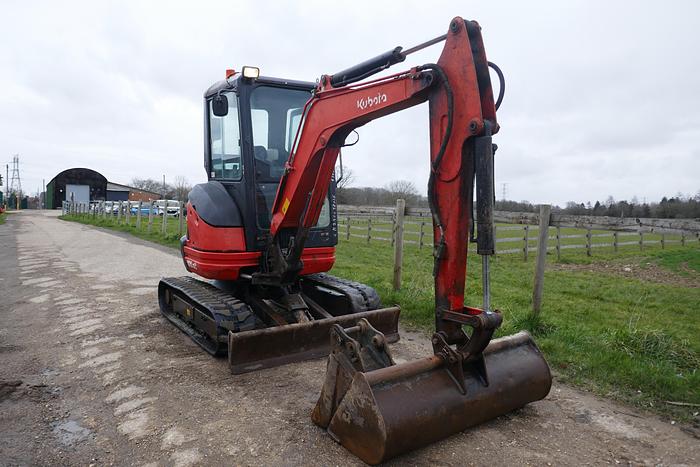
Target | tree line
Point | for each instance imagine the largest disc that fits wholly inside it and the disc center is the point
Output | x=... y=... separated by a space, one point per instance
x=178 y=190
x=675 y=207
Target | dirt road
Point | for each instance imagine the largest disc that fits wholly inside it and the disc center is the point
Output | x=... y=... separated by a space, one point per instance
x=91 y=374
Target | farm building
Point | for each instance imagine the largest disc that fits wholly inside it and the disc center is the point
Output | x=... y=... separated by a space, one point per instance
x=84 y=185
x=79 y=184
x=117 y=192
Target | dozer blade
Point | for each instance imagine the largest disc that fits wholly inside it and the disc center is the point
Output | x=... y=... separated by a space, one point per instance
x=382 y=413
x=269 y=347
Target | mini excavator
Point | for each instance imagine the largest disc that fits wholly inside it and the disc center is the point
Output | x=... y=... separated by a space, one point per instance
x=263 y=230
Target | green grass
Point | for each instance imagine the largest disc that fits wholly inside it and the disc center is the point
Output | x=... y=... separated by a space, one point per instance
x=628 y=339
x=171 y=237
x=681 y=261
x=3 y=218
x=625 y=338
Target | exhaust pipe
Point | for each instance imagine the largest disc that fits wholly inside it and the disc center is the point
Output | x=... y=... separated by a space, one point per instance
x=385 y=409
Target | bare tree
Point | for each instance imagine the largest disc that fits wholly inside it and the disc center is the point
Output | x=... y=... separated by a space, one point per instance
x=181 y=188
x=147 y=184
x=403 y=189
x=342 y=184
x=346 y=180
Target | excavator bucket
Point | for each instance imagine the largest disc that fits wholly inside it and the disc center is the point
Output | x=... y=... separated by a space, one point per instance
x=279 y=345
x=378 y=409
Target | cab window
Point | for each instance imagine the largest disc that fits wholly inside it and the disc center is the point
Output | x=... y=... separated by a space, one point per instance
x=225 y=143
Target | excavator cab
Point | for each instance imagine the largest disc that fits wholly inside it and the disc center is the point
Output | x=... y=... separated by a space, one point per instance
x=267 y=112
x=250 y=125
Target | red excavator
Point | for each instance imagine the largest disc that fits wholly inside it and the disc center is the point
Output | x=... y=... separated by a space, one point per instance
x=263 y=229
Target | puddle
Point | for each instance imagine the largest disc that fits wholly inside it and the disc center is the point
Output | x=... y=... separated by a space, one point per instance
x=70 y=432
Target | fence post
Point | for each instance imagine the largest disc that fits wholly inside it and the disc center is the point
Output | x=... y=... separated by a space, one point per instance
x=422 y=235
x=545 y=213
x=164 y=226
x=150 y=216
x=398 y=242
x=393 y=225
x=588 y=242
x=663 y=241
x=682 y=238
x=119 y=213
x=558 y=243
x=525 y=242
x=347 y=228
x=641 y=240
x=180 y=219
x=369 y=229
x=138 y=215
x=615 y=241
x=127 y=214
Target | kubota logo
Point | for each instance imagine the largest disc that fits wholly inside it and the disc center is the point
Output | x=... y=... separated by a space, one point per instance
x=371 y=101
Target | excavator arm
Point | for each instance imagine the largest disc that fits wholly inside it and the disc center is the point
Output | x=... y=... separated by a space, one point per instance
x=374 y=407
x=462 y=119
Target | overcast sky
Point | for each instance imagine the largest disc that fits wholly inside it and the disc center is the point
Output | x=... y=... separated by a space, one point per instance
x=602 y=98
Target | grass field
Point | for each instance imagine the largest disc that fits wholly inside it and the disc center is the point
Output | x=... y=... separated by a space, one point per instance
x=625 y=325
x=3 y=217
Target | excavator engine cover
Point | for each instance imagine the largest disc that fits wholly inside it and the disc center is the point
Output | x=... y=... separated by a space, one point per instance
x=378 y=409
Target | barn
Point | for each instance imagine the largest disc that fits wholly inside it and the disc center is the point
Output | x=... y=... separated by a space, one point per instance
x=78 y=184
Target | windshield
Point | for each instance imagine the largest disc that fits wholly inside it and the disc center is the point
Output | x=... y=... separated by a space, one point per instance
x=275 y=115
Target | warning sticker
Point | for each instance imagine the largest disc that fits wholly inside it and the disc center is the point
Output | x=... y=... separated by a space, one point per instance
x=285 y=206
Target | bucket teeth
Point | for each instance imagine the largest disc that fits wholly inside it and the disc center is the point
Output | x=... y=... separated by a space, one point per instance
x=389 y=410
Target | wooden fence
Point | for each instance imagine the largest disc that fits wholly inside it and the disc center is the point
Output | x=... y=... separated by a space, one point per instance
x=527 y=233
x=144 y=212
x=570 y=232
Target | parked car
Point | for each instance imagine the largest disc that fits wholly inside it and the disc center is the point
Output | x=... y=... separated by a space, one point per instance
x=169 y=206
x=145 y=209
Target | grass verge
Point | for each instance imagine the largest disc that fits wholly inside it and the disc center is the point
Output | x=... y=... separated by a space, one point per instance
x=620 y=337
x=153 y=234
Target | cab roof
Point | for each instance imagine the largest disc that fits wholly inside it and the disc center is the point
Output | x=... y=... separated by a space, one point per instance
x=232 y=84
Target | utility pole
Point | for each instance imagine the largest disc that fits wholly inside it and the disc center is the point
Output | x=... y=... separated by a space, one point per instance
x=163 y=186
x=43 y=193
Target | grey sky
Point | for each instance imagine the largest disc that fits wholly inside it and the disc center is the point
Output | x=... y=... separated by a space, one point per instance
x=602 y=97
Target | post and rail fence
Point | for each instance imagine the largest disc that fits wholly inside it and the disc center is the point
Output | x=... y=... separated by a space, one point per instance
x=123 y=213
x=399 y=226
x=402 y=226
x=571 y=232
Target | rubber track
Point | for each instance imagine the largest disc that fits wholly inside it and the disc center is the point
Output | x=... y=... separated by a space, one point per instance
x=362 y=296
x=239 y=316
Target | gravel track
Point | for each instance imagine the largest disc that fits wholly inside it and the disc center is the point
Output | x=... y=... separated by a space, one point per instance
x=92 y=374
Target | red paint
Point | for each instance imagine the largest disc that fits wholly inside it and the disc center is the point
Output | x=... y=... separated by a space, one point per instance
x=228 y=265
x=205 y=237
